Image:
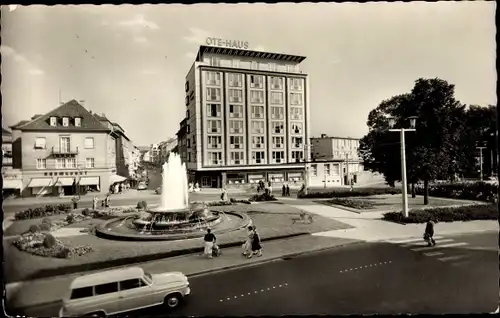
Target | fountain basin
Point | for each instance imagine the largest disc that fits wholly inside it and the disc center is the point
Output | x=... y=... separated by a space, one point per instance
x=122 y=229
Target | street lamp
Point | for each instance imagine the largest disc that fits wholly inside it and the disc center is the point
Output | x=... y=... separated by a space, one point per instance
x=392 y=122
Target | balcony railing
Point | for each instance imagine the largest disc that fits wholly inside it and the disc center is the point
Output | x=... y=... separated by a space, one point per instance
x=7 y=161
x=64 y=151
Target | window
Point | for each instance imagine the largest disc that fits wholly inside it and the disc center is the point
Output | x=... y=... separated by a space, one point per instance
x=314 y=170
x=278 y=156
x=296 y=113
x=255 y=65
x=258 y=157
x=236 y=142
x=295 y=98
x=40 y=143
x=214 y=126
x=188 y=129
x=189 y=157
x=235 y=80
x=189 y=143
x=257 y=127
x=106 y=288
x=78 y=122
x=256 y=81
x=89 y=143
x=296 y=128
x=186 y=86
x=213 y=78
x=297 y=156
x=65 y=121
x=53 y=121
x=41 y=163
x=297 y=142
x=257 y=111
x=236 y=126
x=236 y=158
x=327 y=169
x=194 y=141
x=89 y=163
x=236 y=63
x=277 y=112
x=64 y=143
x=258 y=141
x=272 y=67
x=256 y=96
x=278 y=142
x=215 y=61
x=235 y=95
x=296 y=84
x=213 y=94
x=131 y=284
x=70 y=163
x=276 y=82
x=82 y=292
x=187 y=113
x=215 y=158
x=277 y=98
x=214 y=142
x=278 y=127
x=236 y=111
x=213 y=110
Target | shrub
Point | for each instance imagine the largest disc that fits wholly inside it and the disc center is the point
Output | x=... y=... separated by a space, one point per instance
x=49 y=208
x=34 y=228
x=45 y=227
x=263 y=197
x=142 y=205
x=47 y=221
x=70 y=218
x=480 y=191
x=355 y=204
x=64 y=207
x=211 y=203
x=86 y=212
x=49 y=241
x=345 y=193
x=447 y=214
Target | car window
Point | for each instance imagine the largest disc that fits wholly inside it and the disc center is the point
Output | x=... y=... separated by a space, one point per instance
x=131 y=284
x=106 y=288
x=78 y=293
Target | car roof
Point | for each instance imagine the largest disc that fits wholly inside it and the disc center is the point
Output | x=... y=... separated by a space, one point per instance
x=107 y=277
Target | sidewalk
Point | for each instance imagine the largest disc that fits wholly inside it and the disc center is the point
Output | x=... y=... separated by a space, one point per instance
x=45 y=291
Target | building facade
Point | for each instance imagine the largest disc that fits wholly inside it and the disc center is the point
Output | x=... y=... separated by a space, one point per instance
x=65 y=152
x=247 y=116
x=336 y=162
x=12 y=178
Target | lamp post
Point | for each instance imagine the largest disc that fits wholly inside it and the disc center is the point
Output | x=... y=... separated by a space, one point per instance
x=481 y=161
x=392 y=122
x=306 y=179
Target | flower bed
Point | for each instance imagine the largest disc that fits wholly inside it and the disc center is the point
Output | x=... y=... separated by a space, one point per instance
x=37 y=244
x=350 y=203
x=481 y=191
x=212 y=203
x=345 y=193
x=447 y=214
x=262 y=197
x=41 y=212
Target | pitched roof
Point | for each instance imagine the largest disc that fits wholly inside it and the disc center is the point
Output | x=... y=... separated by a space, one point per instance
x=5 y=132
x=70 y=109
x=22 y=122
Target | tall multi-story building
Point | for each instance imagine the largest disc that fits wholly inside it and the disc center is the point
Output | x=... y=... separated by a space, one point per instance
x=247 y=115
x=335 y=162
x=66 y=151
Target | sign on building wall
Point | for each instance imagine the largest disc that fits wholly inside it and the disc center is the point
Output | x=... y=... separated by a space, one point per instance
x=227 y=43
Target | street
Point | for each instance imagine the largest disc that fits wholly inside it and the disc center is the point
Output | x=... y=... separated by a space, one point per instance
x=384 y=278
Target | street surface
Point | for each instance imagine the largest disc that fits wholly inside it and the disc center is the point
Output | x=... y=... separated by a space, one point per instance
x=384 y=278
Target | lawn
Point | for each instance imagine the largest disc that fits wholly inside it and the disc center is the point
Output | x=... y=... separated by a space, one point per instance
x=271 y=220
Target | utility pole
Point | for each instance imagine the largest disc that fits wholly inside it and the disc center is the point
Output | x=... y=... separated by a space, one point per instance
x=481 y=161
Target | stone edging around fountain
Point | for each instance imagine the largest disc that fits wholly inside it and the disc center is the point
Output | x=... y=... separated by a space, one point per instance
x=102 y=232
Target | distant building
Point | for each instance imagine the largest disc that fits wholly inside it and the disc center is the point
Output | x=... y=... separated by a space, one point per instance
x=335 y=162
x=165 y=148
x=247 y=115
x=67 y=151
x=12 y=178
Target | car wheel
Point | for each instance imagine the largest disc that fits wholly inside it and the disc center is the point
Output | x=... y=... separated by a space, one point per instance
x=173 y=300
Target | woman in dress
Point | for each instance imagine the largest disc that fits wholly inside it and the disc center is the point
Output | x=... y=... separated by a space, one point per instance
x=256 y=247
x=247 y=246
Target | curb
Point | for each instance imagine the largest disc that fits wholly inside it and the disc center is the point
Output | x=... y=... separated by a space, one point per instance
x=225 y=268
x=52 y=273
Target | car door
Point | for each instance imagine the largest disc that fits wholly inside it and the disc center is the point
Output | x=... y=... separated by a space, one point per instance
x=106 y=297
x=134 y=294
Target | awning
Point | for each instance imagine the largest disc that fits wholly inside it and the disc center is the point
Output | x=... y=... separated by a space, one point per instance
x=40 y=182
x=89 y=181
x=12 y=184
x=116 y=178
x=64 y=182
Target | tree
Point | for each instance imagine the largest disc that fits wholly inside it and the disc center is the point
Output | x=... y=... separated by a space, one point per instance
x=431 y=150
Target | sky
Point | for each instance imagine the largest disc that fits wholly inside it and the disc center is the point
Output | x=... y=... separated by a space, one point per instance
x=130 y=62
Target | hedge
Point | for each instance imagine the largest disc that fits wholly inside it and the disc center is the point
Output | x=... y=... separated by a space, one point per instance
x=446 y=214
x=480 y=191
x=263 y=197
x=42 y=212
x=350 y=203
x=345 y=193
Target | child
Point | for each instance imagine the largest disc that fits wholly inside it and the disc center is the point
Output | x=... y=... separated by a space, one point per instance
x=429 y=232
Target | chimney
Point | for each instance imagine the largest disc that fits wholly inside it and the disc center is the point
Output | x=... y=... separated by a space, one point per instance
x=82 y=102
x=323 y=136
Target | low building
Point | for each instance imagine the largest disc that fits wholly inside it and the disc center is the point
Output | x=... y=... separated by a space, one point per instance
x=66 y=151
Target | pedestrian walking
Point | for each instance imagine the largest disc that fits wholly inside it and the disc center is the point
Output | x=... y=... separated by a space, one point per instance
x=287 y=190
x=107 y=201
x=75 y=202
x=247 y=246
x=283 y=191
x=94 y=203
x=429 y=232
x=209 y=243
x=256 y=247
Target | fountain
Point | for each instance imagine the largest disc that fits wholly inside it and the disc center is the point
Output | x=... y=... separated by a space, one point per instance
x=174 y=218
